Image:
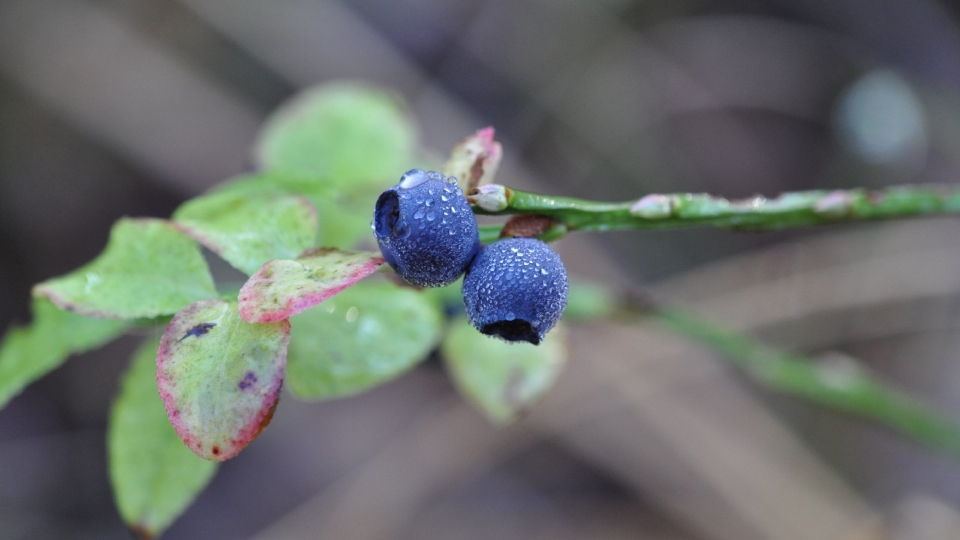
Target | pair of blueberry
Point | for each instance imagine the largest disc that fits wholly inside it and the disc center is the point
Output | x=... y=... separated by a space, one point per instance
x=515 y=288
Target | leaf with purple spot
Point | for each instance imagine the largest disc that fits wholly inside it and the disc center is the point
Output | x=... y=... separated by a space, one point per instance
x=220 y=377
x=283 y=288
x=250 y=228
x=147 y=269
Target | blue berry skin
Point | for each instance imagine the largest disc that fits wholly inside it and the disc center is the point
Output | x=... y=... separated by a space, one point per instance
x=515 y=289
x=426 y=229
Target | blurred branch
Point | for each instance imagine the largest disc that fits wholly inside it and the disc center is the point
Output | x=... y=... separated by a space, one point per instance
x=658 y=211
x=840 y=383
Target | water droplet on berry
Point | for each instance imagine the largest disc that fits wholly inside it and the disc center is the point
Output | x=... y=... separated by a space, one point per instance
x=418 y=214
x=431 y=216
x=412 y=179
x=402 y=230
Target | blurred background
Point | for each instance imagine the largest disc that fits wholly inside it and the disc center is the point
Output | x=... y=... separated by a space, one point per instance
x=128 y=107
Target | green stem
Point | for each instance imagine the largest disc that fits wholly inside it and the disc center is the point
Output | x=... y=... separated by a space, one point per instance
x=795 y=209
x=489 y=233
x=846 y=386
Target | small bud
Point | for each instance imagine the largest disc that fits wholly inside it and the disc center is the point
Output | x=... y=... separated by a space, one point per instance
x=490 y=197
x=653 y=206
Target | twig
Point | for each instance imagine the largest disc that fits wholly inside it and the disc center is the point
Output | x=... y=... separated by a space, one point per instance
x=658 y=211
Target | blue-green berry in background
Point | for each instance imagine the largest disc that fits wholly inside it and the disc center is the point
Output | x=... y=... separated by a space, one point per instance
x=515 y=289
x=426 y=229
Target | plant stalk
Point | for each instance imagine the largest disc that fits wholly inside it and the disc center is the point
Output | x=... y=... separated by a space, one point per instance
x=669 y=211
x=841 y=384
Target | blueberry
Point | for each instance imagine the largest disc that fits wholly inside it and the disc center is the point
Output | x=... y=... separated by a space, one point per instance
x=515 y=289
x=426 y=229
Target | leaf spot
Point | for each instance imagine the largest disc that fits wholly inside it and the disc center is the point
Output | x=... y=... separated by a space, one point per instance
x=248 y=380
x=198 y=330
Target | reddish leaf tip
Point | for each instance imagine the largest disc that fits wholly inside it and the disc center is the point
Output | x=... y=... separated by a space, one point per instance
x=283 y=288
x=140 y=532
x=486 y=134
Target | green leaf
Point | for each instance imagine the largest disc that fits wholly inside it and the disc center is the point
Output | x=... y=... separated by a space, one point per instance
x=249 y=229
x=147 y=269
x=154 y=476
x=345 y=132
x=283 y=288
x=449 y=296
x=587 y=301
x=344 y=214
x=345 y=218
x=220 y=377
x=30 y=352
x=364 y=336
x=502 y=379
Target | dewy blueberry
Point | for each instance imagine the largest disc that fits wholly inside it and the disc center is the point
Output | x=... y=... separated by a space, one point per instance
x=515 y=289
x=426 y=229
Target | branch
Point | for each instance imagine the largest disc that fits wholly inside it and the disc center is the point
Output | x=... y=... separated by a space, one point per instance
x=842 y=385
x=656 y=211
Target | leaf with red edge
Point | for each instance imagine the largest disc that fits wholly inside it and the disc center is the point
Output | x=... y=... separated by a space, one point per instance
x=220 y=377
x=283 y=288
